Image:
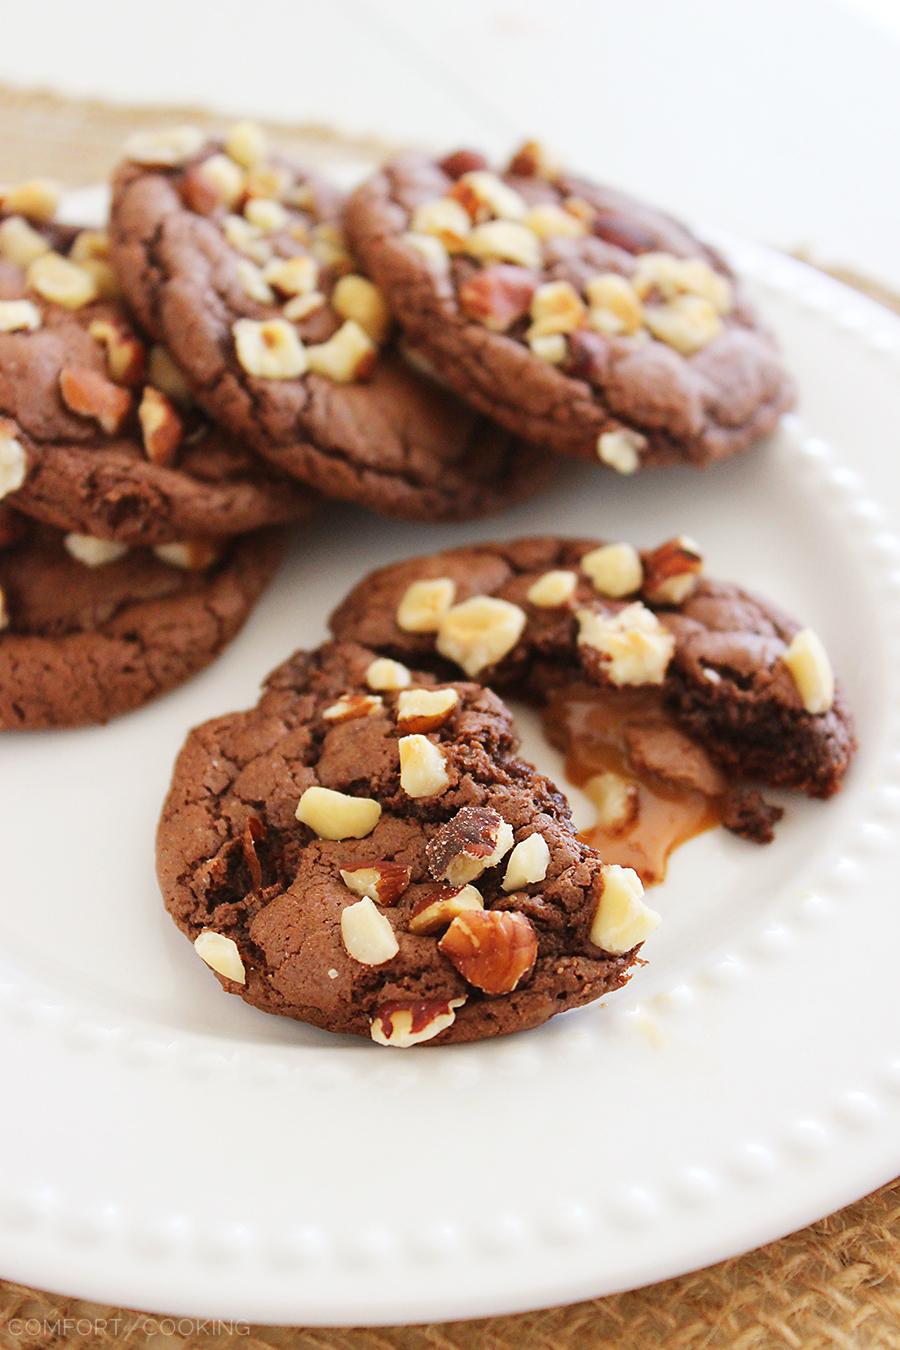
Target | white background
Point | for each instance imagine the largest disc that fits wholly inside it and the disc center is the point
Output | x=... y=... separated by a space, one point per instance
x=777 y=119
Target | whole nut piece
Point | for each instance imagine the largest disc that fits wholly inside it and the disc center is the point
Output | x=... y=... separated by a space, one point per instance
x=221 y=954
x=335 y=815
x=672 y=571
x=473 y=840
x=621 y=919
x=810 y=668
x=615 y=799
x=424 y=603
x=552 y=589
x=382 y=881
x=383 y=673
x=406 y=1024
x=636 y=648
x=614 y=569
x=423 y=769
x=367 y=933
x=437 y=909
x=479 y=632
x=528 y=863
x=493 y=950
x=425 y=709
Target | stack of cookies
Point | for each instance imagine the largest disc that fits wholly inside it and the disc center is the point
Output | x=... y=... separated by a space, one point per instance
x=365 y=850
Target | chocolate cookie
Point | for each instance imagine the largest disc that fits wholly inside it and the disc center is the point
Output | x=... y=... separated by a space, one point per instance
x=98 y=432
x=577 y=317
x=90 y=629
x=237 y=261
x=364 y=851
x=658 y=683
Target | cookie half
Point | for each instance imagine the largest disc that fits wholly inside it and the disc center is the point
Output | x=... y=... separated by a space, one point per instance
x=665 y=689
x=364 y=851
x=90 y=629
x=98 y=431
x=237 y=260
x=571 y=313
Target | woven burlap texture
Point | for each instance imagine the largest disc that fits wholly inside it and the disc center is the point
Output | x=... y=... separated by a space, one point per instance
x=835 y=1284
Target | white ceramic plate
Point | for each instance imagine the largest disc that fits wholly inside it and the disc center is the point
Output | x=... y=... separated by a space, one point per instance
x=167 y=1147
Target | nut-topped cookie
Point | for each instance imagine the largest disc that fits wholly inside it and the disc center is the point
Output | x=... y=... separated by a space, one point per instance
x=237 y=260
x=98 y=430
x=364 y=851
x=667 y=690
x=90 y=628
x=576 y=316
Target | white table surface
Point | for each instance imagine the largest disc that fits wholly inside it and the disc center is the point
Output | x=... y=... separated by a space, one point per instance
x=777 y=119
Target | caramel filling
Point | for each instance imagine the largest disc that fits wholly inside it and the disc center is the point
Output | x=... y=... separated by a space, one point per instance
x=653 y=787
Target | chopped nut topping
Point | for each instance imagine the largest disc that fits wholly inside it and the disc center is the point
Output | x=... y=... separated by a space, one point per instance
x=670 y=277
x=425 y=709
x=62 y=282
x=810 y=668
x=367 y=933
x=636 y=648
x=505 y=241
x=246 y=144
x=423 y=769
x=551 y=347
x=124 y=352
x=267 y=215
x=383 y=881
x=622 y=919
x=105 y=279
x=4 y=610
x=273 y=182
x=164 y=148
x=527 y=864
x=90 y=246
x=89 y=394
x=19 y=316
x=19 y=243
x=493 y=950
x=552 y=589
x=165 y=375
x=532 y=160
x=443 y=219
x=687 y=323
x=13 y=460
x=335 y=815
x=161 y=427
x=247 y=238
x=614 y=305
x=549 y=221
x=672 y=571
x=84 y=548
x=224 y=178
x=301 y=306
x=424 y=603
x=484 y=195
x=430 y=248
x=383 y=673
x=615 y=799
x=479 y=632
x=349 y=354
x=253 y=282
x=356 y=297
x=37 y=199
x=191 y=555
x=621 y=449
x=293 y=276
x=474 y=840
x=438 y=908
x=352 y=706
x=614 y=569
x=404 y=1025
x=269 y=350
x=221 y=955
x=498 y=296
x=556 y=308
x=329 y=246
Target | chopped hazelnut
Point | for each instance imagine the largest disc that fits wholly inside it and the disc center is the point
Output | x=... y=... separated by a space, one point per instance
x=494 y=950
x=19 y=316
x=125 y=357
x=13 y=460
x=810 y=668
x=349 y=354
x=84 y=548
x=162 y=429
x=163 y=374
x=553 y=222
x=253 y=282
x=636 y=648
x=164 y=148
x=383 y=673
x=335 y=815
x=614 y=569
x=621 y=449
x=367 y=933
x=404 y=1025
x=438 y=908
x=224 y=178
x=688 y=323
x=443 y=219
x=672 y=571
x=356 y=297
x=36 y=199
x=480 y=632
x=62 y=282
x=191 y=555
x=552 y=589
x=383 y=881
x=550 y=347
x=615 y=799
x=556 y=308
x=425 y=709
x=246 y=144
x=614 y=306
x=430 y=248
x=528 y=863
x=621 y=920
x=89 y=394
x=267 y=215
x=221 y=954
x=504 y=241
x=352 y=706
x=423 y=769
x=19 y=243
x=293 y=276
x=424 y=603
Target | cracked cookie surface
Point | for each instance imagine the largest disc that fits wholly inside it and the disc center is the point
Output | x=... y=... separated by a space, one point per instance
x=573 y=314
x=289 y=347
x=451 y=915
x=83 y=642
x=73 y=399
x=719 y=657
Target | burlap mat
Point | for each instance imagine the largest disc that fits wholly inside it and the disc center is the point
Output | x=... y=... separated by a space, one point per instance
x=835 y=1284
